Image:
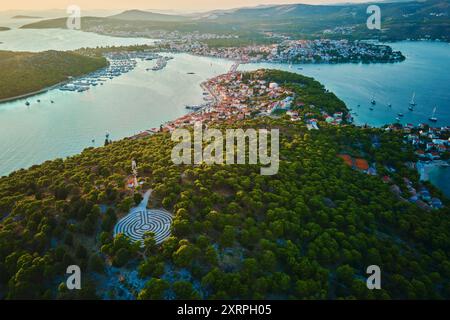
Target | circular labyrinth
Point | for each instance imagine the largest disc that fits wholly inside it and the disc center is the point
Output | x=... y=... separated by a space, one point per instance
x=141 y=220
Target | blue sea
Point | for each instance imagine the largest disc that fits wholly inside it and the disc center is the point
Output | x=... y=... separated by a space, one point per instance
x=424 y=72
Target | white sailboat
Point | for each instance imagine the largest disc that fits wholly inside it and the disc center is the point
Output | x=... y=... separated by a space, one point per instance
x=433 y=116
x=413 y=103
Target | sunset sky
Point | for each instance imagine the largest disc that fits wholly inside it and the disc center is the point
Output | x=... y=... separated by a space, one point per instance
x=182 y=5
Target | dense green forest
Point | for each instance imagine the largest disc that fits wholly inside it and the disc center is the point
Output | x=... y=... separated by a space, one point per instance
x=308 y=232
x=27 y=72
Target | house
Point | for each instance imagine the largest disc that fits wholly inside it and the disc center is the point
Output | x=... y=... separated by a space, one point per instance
x=362 y=164
x=436 y=203
x=425 y=194
x=347 y=159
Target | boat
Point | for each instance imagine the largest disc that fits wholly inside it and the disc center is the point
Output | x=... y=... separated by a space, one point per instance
x=372 y=101
x=412 y=103
x=27 y=103
x=52 y=101
x=411 y=108
x=371 y=109
x=398 y=119
x=38 y=100
x=390 y=105
x=193 y=107
x=433 y=116
x=400 y=114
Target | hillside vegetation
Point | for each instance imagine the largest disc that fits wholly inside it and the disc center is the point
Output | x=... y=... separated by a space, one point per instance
x=27 y=72
x=400 y=21
x=308 y=232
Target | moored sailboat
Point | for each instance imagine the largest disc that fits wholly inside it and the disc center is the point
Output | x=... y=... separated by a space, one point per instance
x=433 y=116
x=413 y=103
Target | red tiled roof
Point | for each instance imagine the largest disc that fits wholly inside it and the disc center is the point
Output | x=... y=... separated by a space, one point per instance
x=347 y=159
x=361 y=164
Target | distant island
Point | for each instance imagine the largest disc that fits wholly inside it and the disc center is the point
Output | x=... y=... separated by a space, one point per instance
x=26 y=17
x=4 y=29
x=26 y=73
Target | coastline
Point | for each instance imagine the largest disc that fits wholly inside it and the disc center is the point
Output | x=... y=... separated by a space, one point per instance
x=45 y=89
x=435 y=172
x=425 y=168
x=34 y=93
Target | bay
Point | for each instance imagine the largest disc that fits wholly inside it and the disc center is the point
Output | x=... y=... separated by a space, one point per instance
x=425 y=72
x=124 y=106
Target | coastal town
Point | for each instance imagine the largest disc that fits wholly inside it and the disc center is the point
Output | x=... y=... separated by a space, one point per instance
x=237 y=96
x=295 y=51
x=282 y=48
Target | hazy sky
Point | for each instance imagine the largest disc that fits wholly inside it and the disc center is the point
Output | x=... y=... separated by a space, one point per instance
x=182 y=5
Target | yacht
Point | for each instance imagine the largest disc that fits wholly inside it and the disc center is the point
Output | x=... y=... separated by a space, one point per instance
x=413 y=103
x=433 y=116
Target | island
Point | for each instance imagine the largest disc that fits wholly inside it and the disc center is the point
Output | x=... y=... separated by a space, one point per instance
x=340 y=202
x=28 y=73
x=26 y=17
x=4 y=28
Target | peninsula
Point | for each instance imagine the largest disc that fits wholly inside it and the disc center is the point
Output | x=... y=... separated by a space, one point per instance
x=27 y=73
x=339 y=203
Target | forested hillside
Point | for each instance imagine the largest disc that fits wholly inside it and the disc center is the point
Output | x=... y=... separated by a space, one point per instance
x=399 y=21
x=26 y=72
x=308 y=232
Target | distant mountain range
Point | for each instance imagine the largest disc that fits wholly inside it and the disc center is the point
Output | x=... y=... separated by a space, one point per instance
x=400 y=20
x=140 y=15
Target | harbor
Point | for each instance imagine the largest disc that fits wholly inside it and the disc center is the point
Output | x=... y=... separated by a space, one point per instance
x=119 y=63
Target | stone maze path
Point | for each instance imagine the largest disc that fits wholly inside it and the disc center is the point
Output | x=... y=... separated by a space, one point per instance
x=141 y=220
